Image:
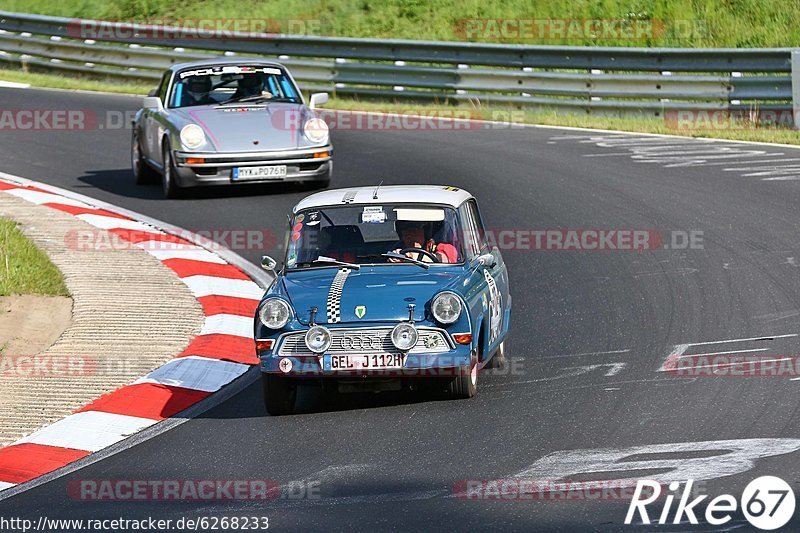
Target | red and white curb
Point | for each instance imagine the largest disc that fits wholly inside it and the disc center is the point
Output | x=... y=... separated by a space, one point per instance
x=222 y=352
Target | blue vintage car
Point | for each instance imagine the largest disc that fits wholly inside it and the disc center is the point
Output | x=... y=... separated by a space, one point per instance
x=383 y=288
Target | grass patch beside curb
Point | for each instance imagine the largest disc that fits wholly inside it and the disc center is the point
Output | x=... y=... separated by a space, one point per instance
x=24 y=268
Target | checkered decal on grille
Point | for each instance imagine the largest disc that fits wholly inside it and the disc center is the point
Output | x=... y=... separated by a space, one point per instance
x=335 y=296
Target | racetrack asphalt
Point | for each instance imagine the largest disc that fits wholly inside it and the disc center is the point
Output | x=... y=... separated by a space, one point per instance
x=590 y=329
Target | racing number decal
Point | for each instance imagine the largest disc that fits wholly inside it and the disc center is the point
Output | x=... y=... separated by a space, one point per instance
x=495 y=308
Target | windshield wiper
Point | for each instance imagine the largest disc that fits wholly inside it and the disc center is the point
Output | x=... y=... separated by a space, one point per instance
x=331 y=261
x=406 y=258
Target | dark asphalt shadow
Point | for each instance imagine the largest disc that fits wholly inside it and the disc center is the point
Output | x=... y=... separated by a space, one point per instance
x=120 y=182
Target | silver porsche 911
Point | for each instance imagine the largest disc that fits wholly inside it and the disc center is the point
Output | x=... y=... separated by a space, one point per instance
x=223 y=122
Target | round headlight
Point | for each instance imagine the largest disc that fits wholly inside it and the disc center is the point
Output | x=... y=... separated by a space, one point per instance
x=274 y=313
x=316 y=130
x=192 y=136
x=446 y=308
x=404 y=336
x=318 y=339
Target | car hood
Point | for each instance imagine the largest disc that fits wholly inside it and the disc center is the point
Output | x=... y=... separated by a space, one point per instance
x=249 y=128
x=385 y=291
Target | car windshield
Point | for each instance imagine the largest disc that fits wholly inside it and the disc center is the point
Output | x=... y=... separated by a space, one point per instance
x=368 y=234
x=215 y=85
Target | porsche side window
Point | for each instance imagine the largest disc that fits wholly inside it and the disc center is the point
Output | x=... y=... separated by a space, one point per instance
x=162 y=89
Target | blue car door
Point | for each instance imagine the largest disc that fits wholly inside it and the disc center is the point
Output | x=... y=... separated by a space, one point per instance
x=492 y=278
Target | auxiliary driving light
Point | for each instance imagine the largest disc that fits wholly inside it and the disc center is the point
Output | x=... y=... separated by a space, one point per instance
x=318 y=339
x=404 y=336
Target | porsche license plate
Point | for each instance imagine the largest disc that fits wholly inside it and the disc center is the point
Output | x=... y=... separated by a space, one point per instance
x=274 y=172
x=363 y=362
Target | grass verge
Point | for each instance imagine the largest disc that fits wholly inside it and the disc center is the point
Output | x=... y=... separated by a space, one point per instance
x=544 y=117
x=25 y=269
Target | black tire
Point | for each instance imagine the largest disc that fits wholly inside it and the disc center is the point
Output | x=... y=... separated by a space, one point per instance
x=499 y=359
x=280 y=394
x=169 y=186
x=465 y=384
x=143 y=173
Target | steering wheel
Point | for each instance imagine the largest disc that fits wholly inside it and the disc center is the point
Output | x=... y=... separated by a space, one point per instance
x=422 y=251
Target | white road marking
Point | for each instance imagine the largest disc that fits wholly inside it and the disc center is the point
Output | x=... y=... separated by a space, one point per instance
x=679 y=350
x=709 y=354
x=14 y=85
x=733 y=457
x=104 y=222
x=198 y=373
x=4 y=485
x=584 y=354
x=574 y=371
x=195 y=253
x=89 y=431
x=677 y=151
x=209 y=285
x=241 y=326
x=39 y=198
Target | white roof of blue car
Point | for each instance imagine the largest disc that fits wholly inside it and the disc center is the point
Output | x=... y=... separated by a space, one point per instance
x=390 y=194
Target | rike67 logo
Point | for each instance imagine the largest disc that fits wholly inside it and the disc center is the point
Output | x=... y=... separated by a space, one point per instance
x=767 y=502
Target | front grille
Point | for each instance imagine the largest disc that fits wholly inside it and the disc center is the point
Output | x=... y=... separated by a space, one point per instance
x=365 y=341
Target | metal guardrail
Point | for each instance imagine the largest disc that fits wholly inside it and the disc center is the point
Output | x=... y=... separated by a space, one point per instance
x=594 y=80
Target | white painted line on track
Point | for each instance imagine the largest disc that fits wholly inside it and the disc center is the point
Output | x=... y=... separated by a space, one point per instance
x=238 y=288
x=721 y=353
x=198 y=373
x=14 y=85
x=39 y=198
x=238 y=325
x=90 y=431
x=584 y=354
x=194 y=253
x=104 y=222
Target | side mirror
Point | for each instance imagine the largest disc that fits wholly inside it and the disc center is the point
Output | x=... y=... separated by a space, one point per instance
x=486 y=261
x=318 y=99
x=268 y=263
x=152 y=102
x=153 y=92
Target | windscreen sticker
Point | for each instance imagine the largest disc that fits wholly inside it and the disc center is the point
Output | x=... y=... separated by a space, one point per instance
x=373 y=214
x=313 y=218
x=291 y=260
x=229 y=69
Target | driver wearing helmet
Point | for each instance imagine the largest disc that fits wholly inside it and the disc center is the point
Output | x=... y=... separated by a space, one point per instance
x=197 y=91
x=249 y=85
x=412 y=235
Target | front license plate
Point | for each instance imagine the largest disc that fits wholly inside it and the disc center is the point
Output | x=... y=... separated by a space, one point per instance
x=274 y=172
x=362 y=362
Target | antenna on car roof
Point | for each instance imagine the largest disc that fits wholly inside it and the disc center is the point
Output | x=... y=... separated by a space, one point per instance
x=375 y=194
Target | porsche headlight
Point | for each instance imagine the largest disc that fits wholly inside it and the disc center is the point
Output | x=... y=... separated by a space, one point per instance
x=446 y=307
x=316 y=130
x=318 y=339
x=274 y=313
x=192 y=136
x=404 y=336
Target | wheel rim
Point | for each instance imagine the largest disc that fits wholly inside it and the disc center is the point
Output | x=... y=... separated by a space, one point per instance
x=503 y=348
x=135 y=158
x=167 y=181
x=473 y=374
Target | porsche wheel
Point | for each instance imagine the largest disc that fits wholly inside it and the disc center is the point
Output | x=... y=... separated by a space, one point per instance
x=168 y=183
x=280 y=394
x=142 y=172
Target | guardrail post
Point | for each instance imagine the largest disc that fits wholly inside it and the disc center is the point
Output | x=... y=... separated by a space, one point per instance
x=796 y=87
